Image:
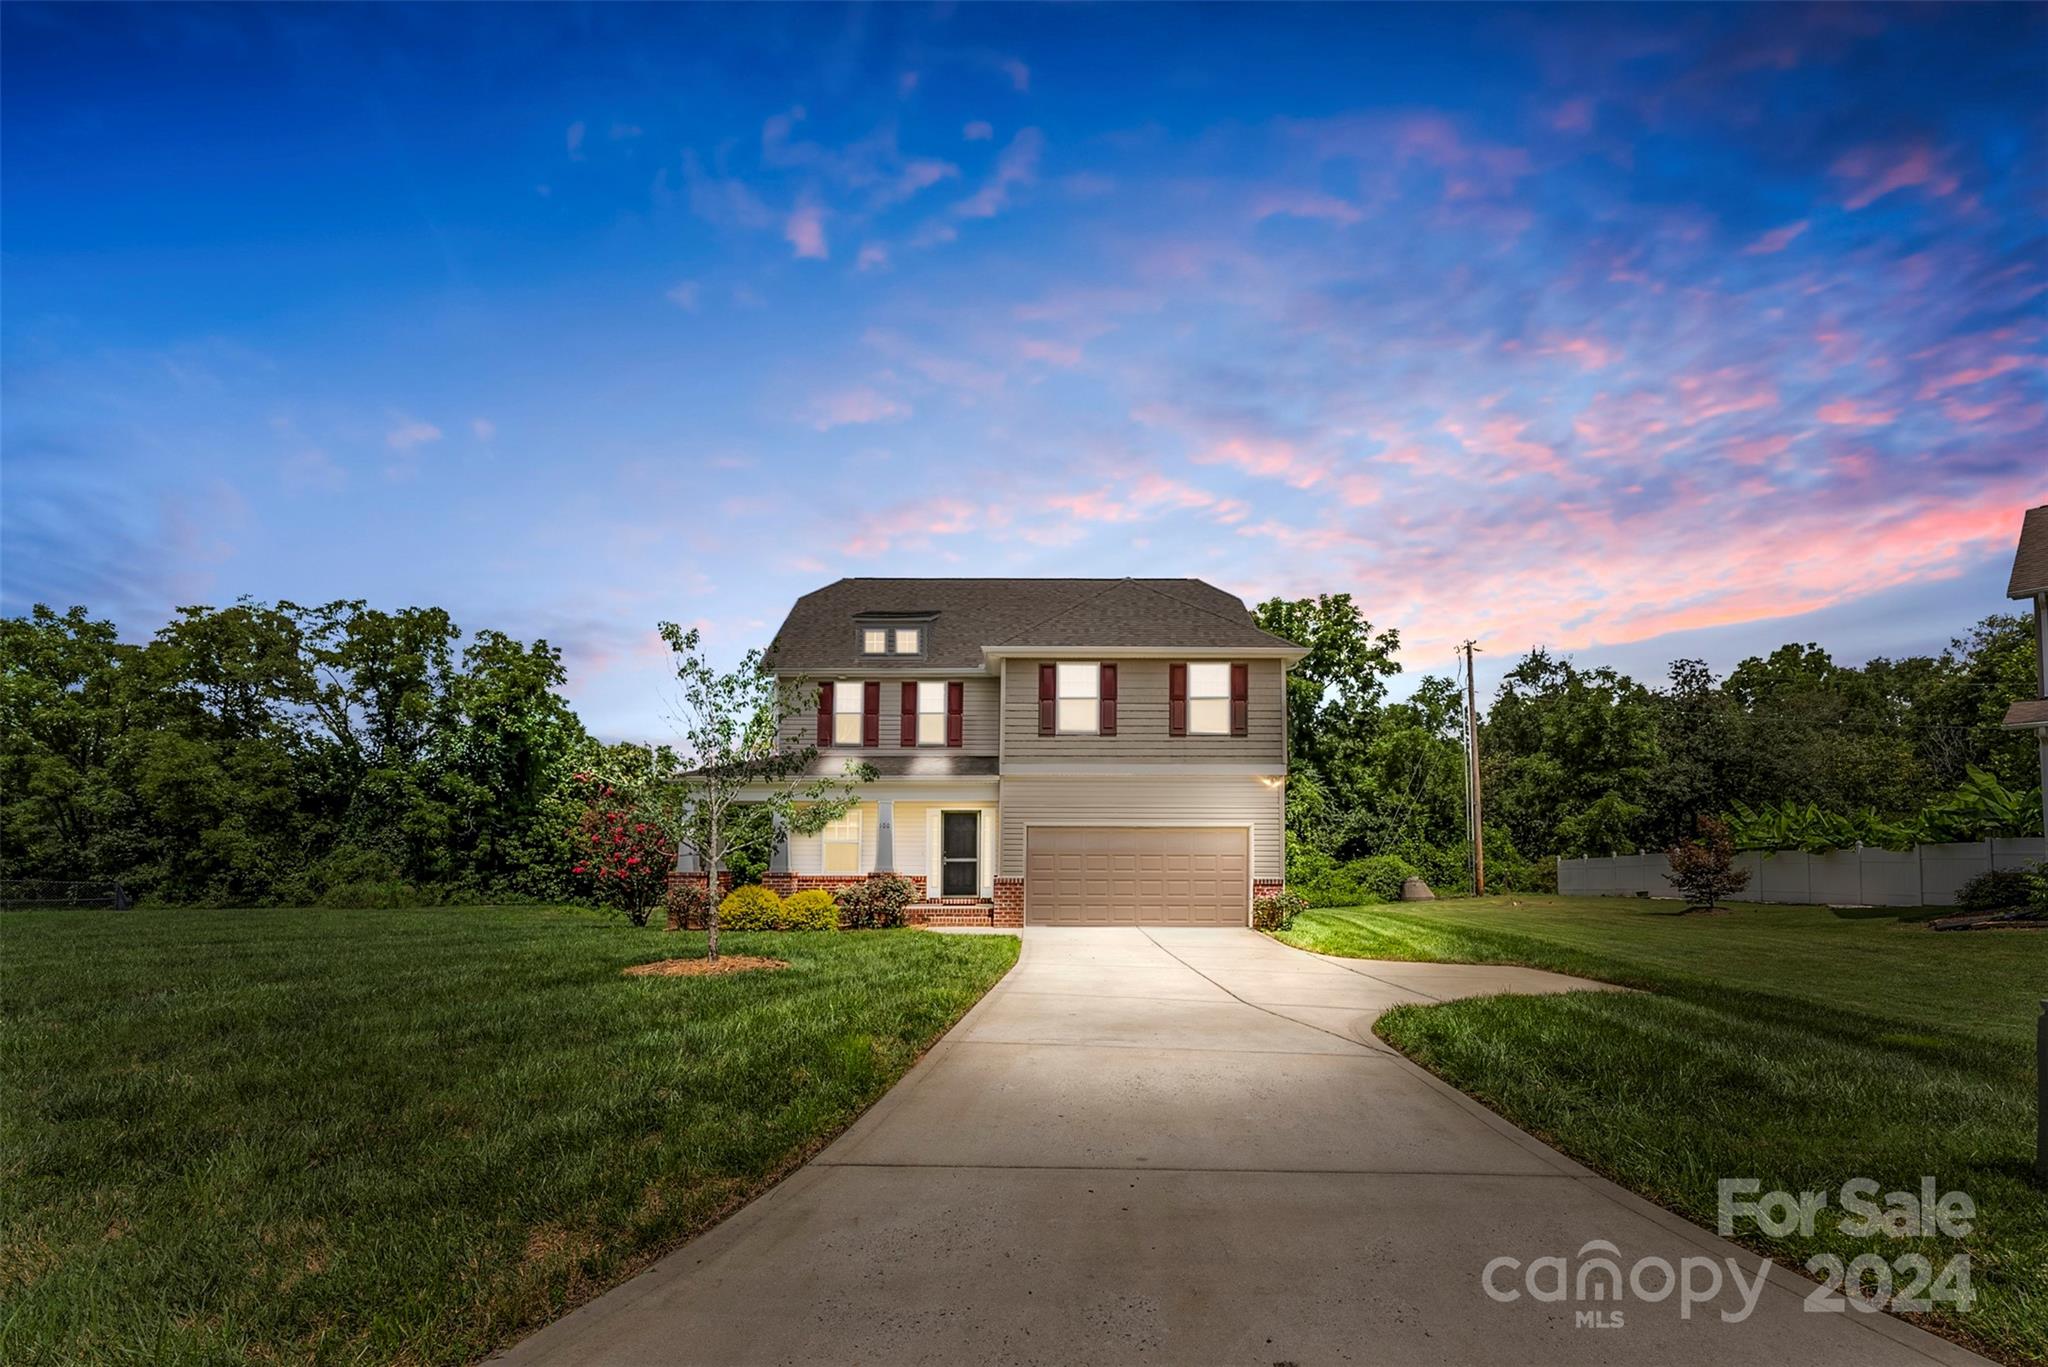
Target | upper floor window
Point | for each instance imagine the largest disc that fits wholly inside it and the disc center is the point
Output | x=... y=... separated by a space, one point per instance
x=931 y=713
x=887 y=638
x=1080 y=698
x=1208 y=699
x=847 y=715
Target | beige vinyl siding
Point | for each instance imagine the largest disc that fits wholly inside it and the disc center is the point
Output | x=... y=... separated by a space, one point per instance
x=1141 y=720
x=1166 y=800
x=978 y=717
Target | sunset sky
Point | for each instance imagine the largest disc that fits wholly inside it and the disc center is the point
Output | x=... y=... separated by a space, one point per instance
x=1630 y=332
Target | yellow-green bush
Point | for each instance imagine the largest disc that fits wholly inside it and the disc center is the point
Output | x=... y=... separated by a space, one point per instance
x=750 y=907
x=813 y=909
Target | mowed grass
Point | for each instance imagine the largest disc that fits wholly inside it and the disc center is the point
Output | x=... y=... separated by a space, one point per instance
x=1801 y=1046
x=406 y=1135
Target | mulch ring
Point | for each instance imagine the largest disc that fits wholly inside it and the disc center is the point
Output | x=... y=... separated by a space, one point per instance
x=699 y=968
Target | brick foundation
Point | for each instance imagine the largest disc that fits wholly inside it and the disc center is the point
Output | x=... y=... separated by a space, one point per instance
x=1265 y=887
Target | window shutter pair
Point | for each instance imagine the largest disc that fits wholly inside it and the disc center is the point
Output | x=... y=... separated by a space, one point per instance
x=956 y=707
x=1177 y=700
x=1049 y=705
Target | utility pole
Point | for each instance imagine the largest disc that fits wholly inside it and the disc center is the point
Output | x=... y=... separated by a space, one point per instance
x=1475 y=808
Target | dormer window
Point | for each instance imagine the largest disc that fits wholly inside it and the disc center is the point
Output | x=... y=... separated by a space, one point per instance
x=897 y=636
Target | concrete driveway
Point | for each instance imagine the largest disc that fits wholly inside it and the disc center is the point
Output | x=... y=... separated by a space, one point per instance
x=1185 y=1146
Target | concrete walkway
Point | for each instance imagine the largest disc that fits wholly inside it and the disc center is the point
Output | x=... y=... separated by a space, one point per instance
x=1185 y=1146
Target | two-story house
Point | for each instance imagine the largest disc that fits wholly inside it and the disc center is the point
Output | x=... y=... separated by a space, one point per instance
x=1050 y=751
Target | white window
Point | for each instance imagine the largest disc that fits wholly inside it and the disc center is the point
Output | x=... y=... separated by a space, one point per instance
x=842 y=844
x=1208 y=700
x=1080 y=712
x=874 y=641
x=846 y=713
x=906 y=640
x=931 y=714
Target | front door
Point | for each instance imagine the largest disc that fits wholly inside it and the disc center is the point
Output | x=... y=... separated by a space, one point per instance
x=960 y=839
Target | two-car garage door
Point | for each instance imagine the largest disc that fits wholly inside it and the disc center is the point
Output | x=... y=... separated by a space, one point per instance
x=1136 y=875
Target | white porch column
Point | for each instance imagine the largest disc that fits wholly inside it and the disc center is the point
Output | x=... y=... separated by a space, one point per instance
x=885 y=835
x=778 y=853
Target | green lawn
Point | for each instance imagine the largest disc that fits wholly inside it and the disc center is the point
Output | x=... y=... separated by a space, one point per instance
x=405 y=1135
x=1802 y=1046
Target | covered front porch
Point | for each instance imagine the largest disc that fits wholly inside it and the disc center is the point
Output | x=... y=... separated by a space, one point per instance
x=940 y=833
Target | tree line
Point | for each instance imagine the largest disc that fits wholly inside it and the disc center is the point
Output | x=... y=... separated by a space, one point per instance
x=340 y=754
x=1579 y=760
x=279 y=753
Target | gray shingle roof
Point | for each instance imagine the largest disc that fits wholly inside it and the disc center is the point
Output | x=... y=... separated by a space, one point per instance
x=2030 y=561
x=2027 y=712
x=968 y=614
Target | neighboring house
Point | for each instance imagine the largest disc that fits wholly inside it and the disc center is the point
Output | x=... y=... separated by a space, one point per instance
x=1050 y=751
x=2030 y=580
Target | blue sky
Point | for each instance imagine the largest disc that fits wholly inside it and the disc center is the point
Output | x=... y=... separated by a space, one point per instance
x=1630 y=332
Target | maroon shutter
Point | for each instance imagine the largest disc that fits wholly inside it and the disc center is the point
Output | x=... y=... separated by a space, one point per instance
x=824 y=714
x=909 y=713
x=1108 y=700
x=1176 y=700
x=871 y=712
x=1048 y=701
x=956 y=713
x=1240 y=693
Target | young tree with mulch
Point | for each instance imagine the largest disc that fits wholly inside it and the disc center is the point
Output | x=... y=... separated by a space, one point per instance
x=1704 y=869
x=730 y=724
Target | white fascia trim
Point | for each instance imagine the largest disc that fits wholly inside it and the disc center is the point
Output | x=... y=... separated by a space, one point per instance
x=1057 y=770
x=890 y=666
x=910 y=790
x=1006 y=652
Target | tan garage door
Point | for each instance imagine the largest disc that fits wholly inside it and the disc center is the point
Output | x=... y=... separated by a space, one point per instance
x=1136 y=875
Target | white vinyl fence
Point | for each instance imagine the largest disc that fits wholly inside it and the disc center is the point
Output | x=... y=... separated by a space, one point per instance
x=1924 y=876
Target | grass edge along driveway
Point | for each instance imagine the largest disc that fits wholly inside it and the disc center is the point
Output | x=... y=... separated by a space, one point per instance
x=1801 y=1046
x=374 y=1136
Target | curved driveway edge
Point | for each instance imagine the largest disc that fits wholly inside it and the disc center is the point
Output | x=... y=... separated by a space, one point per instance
x=1185 y=1146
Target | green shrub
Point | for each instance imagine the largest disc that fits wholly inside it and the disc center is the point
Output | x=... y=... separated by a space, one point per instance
x=750 y=907
x=813 y=909
x=1356 y=883
x=1278 y=910
x=877 y=903
x=1997 y=889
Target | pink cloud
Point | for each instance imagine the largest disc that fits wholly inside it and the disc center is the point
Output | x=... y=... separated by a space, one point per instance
x=1267 y=458
x=1573 y=116
x=804 y=230
x=1776 y=240
x=1306 y=204
x=980 y=130
x=1016 y=167
x=1971 y=375
x=1850 y=413
x=873 y=257
x=1874 y=171
x=851 y=407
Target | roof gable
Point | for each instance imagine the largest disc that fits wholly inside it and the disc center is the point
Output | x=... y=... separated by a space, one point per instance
x=970 y=614
x=2030 y=561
